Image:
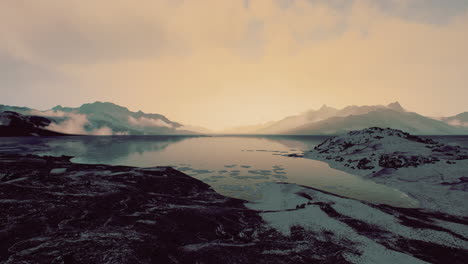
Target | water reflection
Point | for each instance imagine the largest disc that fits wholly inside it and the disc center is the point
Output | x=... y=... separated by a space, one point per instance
x=232 y=165
x=106 y=150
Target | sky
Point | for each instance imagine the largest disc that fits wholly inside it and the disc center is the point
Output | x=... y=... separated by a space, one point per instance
x=224 y=63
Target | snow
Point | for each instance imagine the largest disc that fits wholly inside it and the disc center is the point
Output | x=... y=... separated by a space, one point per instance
x=154 y=169
x=278 y=207
x=58 y=171
x=426 y=182
x=148 y=222
x=196 y=247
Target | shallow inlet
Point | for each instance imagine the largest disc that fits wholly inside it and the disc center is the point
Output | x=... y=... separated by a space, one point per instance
x=232 y=165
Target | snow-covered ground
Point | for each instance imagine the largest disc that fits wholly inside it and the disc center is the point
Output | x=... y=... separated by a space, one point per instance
x=434 y=174
x=372 y=233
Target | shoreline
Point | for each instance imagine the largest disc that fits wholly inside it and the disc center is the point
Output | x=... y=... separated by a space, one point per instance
x=432 y=173
x=58 y=211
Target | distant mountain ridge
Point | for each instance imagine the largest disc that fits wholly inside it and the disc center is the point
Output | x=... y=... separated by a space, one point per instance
x=113 y=110
x=386 y=118
x=325 y=112
x=460 y=120
x=329 y=120
x=104 y=118
x=121 y=120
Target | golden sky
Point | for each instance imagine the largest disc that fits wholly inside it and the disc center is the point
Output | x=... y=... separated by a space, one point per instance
x=222 y=63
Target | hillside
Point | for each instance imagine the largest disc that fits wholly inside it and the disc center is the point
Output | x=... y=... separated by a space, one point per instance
x=431 y=172
x=325 y=112
x=411 y=122
x=120 y=120
x=104 y=118
x=14 y=124
x=460 y=120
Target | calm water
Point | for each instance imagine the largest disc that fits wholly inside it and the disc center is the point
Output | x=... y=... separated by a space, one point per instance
x=232 y=165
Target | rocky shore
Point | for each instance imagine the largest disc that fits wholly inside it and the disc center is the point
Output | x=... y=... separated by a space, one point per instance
x=56 y=211
x=433 y=173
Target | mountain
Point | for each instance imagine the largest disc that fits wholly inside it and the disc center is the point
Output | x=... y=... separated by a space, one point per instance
x=120 y=120
x=407 y=121
x=312 y=116
x=13 y=124
x=104 y=118
x=296 y=121
x=460 y=120
x=18 y=109
x=328 y=120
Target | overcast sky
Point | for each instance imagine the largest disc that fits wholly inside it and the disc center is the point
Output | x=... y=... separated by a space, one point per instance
x=221 y=63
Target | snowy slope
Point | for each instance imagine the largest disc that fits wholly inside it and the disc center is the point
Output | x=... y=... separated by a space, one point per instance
x=372 y=233
x=411 y=122
x=435 y=174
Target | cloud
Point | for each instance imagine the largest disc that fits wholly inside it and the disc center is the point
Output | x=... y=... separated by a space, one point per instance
x=73 y=123
x=428 y=11
x=103 y=131
x=230 y=63
x=147 y=122
x=50 y=113
x=459 y=123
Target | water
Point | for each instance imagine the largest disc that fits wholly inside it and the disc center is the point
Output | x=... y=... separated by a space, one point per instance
x=232 y=165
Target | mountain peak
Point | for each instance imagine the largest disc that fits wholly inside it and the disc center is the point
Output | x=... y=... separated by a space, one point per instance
x=396 y=106
x=323 y=106
x=103 y=106
x=326 y=107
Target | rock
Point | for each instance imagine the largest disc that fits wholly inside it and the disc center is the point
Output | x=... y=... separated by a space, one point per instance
x=363 y=164
x=83 y=213
x=13 y=124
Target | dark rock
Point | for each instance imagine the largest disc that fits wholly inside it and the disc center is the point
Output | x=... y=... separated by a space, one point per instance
x=363 y=164
x=118 y=214
x=294 y=155
x=402 y=161
x=19 y=125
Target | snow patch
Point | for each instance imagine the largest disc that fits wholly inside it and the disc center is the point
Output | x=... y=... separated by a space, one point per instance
x=58 y=171
x=281 y=198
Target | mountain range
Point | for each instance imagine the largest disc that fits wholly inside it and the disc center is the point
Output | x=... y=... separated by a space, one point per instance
x=104 y=118
x=328 y=120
